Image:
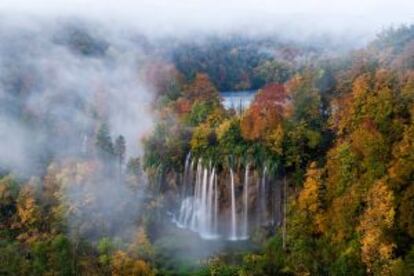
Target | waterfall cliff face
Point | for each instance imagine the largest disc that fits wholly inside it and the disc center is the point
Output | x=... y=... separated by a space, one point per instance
x=262 y=200
x=245 y=226
x=222 y=205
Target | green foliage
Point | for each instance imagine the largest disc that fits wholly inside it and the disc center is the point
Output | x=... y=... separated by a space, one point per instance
x=270 y=262
x=218 y=267
x=346 y=164
x=230 y=140
x=9 y=190
x=272 y=71
x=203 y=140
x=230 y=64
x=348 y=262
x=306 y=98
x=409 y=260
x=12 y=261
x=61 y=256
x=199 y=112
x=39 y=253
x=167 y=146
x=105 y=249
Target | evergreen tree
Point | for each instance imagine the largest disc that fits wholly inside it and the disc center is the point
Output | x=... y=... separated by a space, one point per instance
x=104 y=145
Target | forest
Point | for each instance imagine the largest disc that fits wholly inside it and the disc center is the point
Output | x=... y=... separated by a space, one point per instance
x=314 y=177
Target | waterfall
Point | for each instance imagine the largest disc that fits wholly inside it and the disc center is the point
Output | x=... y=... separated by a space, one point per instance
x=245 y=229
x=210 y=197
x=186 y=177
x=195 y=223
x=216 y=206
x=199 y=210
x=233 y=233
x=203 y=212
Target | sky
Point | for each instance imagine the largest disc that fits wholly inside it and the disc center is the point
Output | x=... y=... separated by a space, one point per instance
x=170 y=16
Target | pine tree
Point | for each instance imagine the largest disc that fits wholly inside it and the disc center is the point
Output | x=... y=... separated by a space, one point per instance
x=104 y=143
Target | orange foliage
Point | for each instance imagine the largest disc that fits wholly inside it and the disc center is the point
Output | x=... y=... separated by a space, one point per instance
x=365 y=137
x=29 y=213
x=309 y=200
x=122 y=264
x=201 y=89
x=182 y=106
x=266 y=112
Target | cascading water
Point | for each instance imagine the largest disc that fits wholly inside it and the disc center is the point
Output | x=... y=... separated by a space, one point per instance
x=233 y=227
x=210 y=197
x=186 y=177
x=204 y=212
x=200 y=205
x=199 y=211
x=245 y=228
x=216 y=206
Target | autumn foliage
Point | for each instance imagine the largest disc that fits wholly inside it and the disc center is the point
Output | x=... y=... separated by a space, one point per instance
x=266 y=113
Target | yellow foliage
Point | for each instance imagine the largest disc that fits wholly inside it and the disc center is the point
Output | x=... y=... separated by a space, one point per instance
x=403 y=165
x=6 y=193
x=216 y=116
x=367 y=141
x=141 y=245
x=361 y=86
x=376 y=248
x=309 y=197
x=29 y=216
x=371 y=98
x=27 y=209
x=223 y=128
x=275 y=140
x=309 y=200
x=199 y=140
x=122 y=265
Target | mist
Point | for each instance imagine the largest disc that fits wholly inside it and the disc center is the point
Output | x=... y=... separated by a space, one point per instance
x=55 y=81
x=298 y=19
x=66 y=67
x=60 y=81
x=69 y=67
